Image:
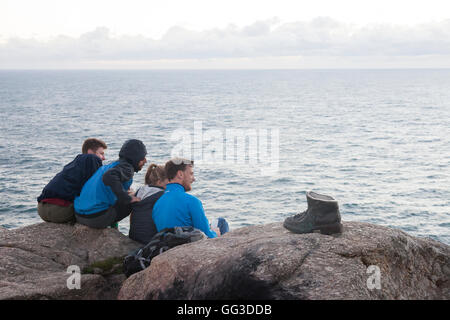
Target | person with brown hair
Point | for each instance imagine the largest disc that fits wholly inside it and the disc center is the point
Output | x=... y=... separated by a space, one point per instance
x=142 y=226
x=55 y=204
x=177 y=208
x=94 y=146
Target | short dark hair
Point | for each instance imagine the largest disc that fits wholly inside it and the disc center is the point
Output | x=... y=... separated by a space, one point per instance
x=93 y=144
x=174 y=165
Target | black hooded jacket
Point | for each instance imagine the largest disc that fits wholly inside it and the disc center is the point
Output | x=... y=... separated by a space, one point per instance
x=131 y=153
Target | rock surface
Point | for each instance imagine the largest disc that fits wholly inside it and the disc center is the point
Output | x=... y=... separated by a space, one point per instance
x=257 y=262
x=34 y=261
x=269 y=262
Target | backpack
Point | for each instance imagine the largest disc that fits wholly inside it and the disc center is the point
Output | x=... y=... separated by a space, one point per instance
x=167 y=238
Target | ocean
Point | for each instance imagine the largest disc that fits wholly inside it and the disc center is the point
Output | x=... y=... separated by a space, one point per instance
x=378 y=141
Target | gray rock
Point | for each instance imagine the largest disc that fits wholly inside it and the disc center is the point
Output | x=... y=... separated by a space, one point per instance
x=34 y=261
x=269 y=262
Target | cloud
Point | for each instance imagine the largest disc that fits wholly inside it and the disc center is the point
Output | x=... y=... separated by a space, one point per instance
x=320 y=37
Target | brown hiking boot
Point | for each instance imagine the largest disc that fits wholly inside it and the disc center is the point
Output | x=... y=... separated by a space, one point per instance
x=322 y=215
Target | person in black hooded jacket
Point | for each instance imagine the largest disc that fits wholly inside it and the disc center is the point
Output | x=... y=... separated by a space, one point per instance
x=104 y=199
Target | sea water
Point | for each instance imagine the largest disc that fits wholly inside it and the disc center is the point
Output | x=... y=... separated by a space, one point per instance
x=378 y=141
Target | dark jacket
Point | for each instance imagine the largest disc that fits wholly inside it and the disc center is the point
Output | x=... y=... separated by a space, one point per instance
x=67 y=184
x=116 y=176
x=142 y=227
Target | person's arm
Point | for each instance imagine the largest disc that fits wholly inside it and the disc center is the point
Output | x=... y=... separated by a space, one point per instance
x=114 y=178
x=199 y=218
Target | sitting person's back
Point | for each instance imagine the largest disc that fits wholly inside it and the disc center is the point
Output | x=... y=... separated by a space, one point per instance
x=176 y=208
x=142 y=227
x=55 y=203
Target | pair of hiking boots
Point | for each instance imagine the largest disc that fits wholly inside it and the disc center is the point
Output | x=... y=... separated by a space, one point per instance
x=321 y=216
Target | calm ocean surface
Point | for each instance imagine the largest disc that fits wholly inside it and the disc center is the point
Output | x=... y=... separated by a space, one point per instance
x=376 y=140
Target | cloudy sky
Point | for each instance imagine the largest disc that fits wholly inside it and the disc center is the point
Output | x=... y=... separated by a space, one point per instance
x=205 y=34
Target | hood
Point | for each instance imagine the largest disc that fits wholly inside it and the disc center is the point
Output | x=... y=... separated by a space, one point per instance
x=147 y=191
x=133 y=151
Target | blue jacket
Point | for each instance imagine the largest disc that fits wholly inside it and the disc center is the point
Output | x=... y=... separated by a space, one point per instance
x=109 y=184
x=176 y=208
x=67 y=184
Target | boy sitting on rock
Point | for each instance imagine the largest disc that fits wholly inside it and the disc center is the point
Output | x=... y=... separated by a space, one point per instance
x=55 y=204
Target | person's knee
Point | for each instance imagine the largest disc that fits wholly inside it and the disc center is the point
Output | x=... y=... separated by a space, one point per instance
x=223 y=225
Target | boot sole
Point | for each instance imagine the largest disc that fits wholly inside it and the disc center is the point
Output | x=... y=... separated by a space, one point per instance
x=327 y=229
x=330 y=228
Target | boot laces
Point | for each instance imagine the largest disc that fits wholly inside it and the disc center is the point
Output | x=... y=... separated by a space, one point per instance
x=299 y=215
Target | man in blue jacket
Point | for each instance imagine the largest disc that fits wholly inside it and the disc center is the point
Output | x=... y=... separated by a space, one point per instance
x=104 y=199
x=55 y=204
x=176 y=208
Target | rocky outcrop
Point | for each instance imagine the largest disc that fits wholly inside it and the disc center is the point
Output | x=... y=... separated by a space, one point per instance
x=256 y=262
x=34 y=261
x=268 y=262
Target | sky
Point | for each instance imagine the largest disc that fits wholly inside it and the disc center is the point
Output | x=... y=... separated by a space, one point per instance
x=200 y=34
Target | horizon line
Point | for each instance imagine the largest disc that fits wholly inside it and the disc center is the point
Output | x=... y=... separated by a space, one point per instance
x=220 y=69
